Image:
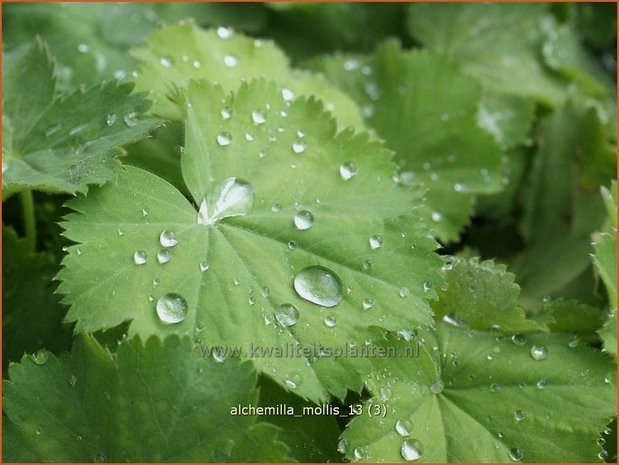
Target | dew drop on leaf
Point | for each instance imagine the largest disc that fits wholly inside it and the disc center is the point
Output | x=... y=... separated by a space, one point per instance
x=376 y=242
x=304 y=220
x=520 y=415
x=225 y=32
x=319 y=285
x=231 y=61
x=538 y=352
x=437 y=386
x=164 y=256
x=265 y=292
x=40 y=357
x=171 y=308
x=258 y=117
x=298 y=147
x=411 y=450
x=196 y=64
x=293 y=380
x=224 y=138
x=233 y=197
x=52 y=129
x=287 y=315
x=515 y=454
x=292 y=245
x=361 y=453
x=367 y=264
x=204 y=266
x=348 y=171
x=111 y=119
x=330 y=321
x=403 y=427
x=342 y=446
x=368 y=304
x=168 y=238
x=427 y=286
x=72 y=380
x=404 y=292
x=165 y=62
x=140 y=257
x=225 y=113
x=519 y=339
x=131 y=119
x=287 y=94
x=436 y=216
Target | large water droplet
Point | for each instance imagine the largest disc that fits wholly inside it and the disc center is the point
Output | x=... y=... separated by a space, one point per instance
x=164 y=256
x=411 y=450
x=168 y=238
x=515 y=454
x=171 y=308
x=304 y=220
x=319 y=285
x=404 y=427
x=348 y=170
x=224 y=138
x=376 y=242
x=330 y=321
x=287 y=315
x=538 y=352
x=233 y=197
x=140 y=257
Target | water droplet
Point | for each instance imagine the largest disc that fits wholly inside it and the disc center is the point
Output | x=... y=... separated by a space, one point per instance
x=293 y=380
x=224 y=139
x=40 y=357
x=304 y=220
x=538 y=352
x=515 y=454
x=361 y=453
x=165 y=62
x=436 y=216
x=437 y=386
x=72 y=380
x=265 y=292
x=233 y=197
x=78 y=438
x=287 y=94
x=330 y=322
x=144 y=212
x=376 y=242
x=258 y=117
x=427 y=286
x=140 y=257
x=168 y=238
x=368 y=304
x=367 y=264
x=204 y=266
x=460 y=187
x=541 y=384
x=164 y=256
x=196 y=64
x=298 y=147
x=155 y=282
x=519 y=339
x=83 y=48
x=404 y=427
x=171 y=308
x=78 y=129
x=520 y=415
x=404 y=292
x=319 y=285
x=219 y=354
x=38 y=431
x=342 y=446
x=231 y=61
x=411 y=450
x=131 y=119
x=53 y=129
x=348 y=170
x=225 y=32
x=287 y=315
x=111 y=119
x=292 y=245
x=572 y=343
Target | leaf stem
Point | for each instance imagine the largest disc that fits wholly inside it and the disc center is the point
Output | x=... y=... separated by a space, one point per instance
x=27 y=207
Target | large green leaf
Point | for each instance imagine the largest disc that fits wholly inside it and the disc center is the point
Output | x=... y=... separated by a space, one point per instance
x=62 y=144
x=32 y=314
x=176 y=54
x=366 y=231
x=481 y=295
x=561 y=204
x=157 y=402
x=425 y=109
x=475 y=397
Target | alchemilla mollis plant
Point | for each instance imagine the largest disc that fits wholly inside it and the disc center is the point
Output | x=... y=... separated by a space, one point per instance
x=309 y=232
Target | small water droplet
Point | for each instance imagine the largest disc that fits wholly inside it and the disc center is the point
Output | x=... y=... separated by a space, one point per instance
x=164 y=256
x=231 y=61
x=204 y=266
x=38 y=431
x=460 y=187
x=573 y=343
x=361 y=453
x=404 y=427
x=367 y=264
x=538 y=352
x=343 y=446
x=40 y=357
x=541 y=384
x=258 y=117
x=330 y=321
x=111 y=119
x=168 y=238
x=376 y=242
x=298 y=147
x=436 y=216
x=411 y=450
x=287 y=94
x=427 y=286
x=304 y=220
x=437 y=386
x=78 y=129
x=131 y=119
x=140 y=257
x=225 y=32
x=72 y=380
x=368 y=304
x=404 y=292
x=224 y=138
x=171 y=308
x=196 y=64
x=520 y=415
x=519 y=339
x=233 y=197
x=319 y=285
x=287 y=315
x=83 y=48
x=348 y=171
x=165 y=62
x=293 y=380
x=265 y=292
x=292 y=245
x=515 y=454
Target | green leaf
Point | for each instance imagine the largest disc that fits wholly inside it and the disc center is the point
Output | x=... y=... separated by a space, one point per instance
x=473 y=396
x=608 y=333
x=509 y=118
x=157 y=402
x=32 y=314
x=499 y=44
x=561 y=204
x=310 y=435
x=481 y=295
x=440 y=145
x=62 y=144
x=571 y=316
x=262 y=249
x=176 y=54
